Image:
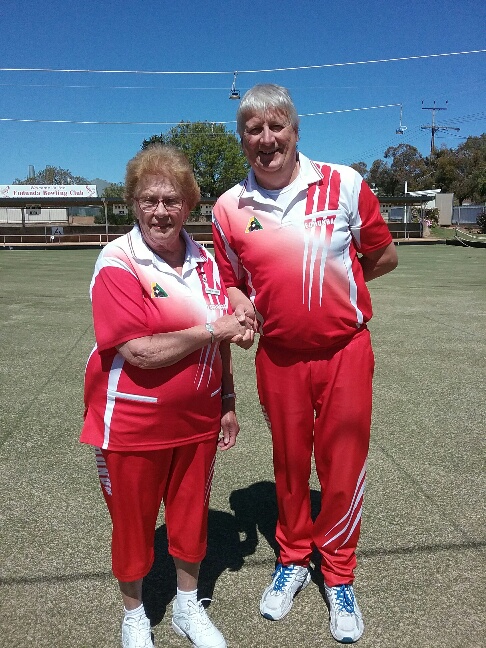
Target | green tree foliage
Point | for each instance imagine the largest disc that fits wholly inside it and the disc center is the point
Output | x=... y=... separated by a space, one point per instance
x=481 y=221
x=115 y=190
x=408 y=165
x=402 y=164
x=360 y=167
x=52 y=175
x=214 y=153
x=461 y=171
x=380 y=177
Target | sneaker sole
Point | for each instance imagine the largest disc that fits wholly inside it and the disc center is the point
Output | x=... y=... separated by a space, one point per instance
x=267 y=616
x=178 y=631
x=347 y=640
x=181 y=633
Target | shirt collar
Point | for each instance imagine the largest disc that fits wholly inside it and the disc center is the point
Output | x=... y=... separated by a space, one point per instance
x=308 y=174
x=143 y=254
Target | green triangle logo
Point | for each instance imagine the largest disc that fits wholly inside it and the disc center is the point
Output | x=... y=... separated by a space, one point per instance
x=158 y=291
x=253 y=225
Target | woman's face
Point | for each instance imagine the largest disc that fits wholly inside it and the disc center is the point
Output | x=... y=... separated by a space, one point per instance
x=161 y=213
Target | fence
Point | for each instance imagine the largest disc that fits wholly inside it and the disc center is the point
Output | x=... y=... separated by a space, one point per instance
x=466 y=214
x=84 y=236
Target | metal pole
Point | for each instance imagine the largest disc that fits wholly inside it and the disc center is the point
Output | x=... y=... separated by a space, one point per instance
x=106 y=219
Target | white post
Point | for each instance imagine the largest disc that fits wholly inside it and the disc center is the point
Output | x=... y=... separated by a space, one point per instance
x=106 y=219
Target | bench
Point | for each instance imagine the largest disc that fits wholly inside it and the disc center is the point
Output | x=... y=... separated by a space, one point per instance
x=405 y=230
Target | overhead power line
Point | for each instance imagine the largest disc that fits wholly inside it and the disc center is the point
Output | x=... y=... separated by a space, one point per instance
x=346 y=110
x=282 y=69
x=165 y=123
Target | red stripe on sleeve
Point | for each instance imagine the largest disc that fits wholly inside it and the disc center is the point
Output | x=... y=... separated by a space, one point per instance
x=309 y=206
x=335 y=190
x=323 y=187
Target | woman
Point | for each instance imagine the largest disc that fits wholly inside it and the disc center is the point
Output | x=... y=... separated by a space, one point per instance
x=159 y=388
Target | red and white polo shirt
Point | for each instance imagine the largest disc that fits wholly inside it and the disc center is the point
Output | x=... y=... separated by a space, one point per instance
x=134 y=293
x=296 y=252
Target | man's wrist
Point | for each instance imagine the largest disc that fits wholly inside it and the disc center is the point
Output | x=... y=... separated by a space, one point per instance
x=228 y=396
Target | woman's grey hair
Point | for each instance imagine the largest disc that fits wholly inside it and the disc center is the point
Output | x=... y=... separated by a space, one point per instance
x=168 y=162
x=262 y=97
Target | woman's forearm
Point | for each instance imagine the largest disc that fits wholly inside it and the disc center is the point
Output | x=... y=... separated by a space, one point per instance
x=227 y=384
x=164 y=349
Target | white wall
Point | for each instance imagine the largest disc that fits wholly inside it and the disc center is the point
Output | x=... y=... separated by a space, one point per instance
x=13 y=215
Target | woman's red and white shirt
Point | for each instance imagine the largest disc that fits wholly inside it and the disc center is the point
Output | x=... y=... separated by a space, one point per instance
x=134 y=293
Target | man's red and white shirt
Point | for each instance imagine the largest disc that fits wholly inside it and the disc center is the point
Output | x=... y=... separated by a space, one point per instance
x=134 y=293
x=295 y=251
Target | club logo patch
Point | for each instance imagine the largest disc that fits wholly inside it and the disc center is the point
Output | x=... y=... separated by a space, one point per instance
x=253 y=225
x=158 y=291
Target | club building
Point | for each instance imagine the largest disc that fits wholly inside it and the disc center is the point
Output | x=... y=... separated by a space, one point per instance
x=50 y=214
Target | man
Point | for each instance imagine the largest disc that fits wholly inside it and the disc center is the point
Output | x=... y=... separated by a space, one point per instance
x=297 y=241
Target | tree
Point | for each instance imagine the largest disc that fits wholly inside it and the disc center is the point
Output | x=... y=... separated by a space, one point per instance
x=408 y=166
x=360 y=167
x=117 y=190
x=470 y=166
x=214 y=153
x=481 y=221
x=381 y=178
x=402 y=164
x=461 y=171
x=52 y=175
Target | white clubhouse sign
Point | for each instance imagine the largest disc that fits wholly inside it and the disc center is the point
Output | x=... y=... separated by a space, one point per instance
x=48 y=191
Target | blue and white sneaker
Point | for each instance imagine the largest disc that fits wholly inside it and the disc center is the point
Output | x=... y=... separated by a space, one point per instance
x=345 y=618
x=287 y=582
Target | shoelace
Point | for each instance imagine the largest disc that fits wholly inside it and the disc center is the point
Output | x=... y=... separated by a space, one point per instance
x=345 y=599
x=198 y=611
x=284 y=575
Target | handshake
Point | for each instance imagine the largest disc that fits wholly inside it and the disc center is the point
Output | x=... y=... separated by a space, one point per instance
x=238 y=328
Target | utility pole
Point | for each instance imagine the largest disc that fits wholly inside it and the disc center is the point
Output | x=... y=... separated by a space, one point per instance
x=433 y=127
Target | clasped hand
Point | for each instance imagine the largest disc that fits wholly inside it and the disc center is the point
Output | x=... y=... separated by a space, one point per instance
x=245 y=317
x=238 y=328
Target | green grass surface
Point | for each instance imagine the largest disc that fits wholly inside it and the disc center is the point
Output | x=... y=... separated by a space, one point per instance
x=420 y=579
x=442 y=232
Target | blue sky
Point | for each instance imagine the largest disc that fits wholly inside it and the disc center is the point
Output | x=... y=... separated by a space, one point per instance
x=234 y=35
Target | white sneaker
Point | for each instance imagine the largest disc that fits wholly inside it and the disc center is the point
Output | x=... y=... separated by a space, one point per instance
x=345 y=618
x=196 y=626
x=287 y=582
x=136 y=632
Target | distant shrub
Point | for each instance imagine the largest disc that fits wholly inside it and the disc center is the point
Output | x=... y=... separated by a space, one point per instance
x=430 y=216
x=481 y=221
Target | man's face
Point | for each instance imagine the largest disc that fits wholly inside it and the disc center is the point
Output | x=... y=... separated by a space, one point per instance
x=269 y=142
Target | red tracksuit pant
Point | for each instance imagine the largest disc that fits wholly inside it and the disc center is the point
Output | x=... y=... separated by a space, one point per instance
x=319 y=401
x=135 y=483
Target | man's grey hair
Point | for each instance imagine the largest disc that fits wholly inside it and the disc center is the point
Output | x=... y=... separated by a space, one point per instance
x=262 y=97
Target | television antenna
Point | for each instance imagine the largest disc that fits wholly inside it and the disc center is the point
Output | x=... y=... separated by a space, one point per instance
x=434 y=128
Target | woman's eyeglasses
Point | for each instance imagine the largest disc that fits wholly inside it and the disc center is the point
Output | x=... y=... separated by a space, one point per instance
x=150 y=205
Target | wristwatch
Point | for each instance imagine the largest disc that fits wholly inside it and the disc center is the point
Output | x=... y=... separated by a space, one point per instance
x=210 y=330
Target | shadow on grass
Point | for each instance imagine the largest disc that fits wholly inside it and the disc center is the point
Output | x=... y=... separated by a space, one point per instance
x=230 y=539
